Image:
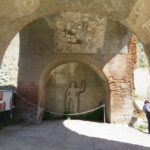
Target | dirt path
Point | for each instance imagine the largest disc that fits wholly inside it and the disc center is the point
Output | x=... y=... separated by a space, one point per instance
x=73 y=135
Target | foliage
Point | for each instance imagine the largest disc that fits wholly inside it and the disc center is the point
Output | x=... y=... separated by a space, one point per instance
x=137 y=41
x=142 y=63
x=143 y=127
x=5 y=124
x=49 y=116
x=135 y=95
x=68 y=118
x=92 y=116
x=97 y=115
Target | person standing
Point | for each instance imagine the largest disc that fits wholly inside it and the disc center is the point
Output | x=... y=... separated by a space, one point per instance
x=146 y=109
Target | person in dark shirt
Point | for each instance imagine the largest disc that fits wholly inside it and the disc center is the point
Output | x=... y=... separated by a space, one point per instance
x=146 y=109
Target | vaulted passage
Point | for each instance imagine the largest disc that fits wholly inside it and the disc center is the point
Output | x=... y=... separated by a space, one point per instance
x=74 y=55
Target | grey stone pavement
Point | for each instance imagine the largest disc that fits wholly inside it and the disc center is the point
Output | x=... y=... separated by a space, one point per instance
x=72 y=135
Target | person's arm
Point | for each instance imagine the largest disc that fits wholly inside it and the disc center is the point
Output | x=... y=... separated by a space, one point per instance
x=82 y=88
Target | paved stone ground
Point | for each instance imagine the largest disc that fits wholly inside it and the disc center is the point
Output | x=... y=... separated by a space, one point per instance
x=73 y=135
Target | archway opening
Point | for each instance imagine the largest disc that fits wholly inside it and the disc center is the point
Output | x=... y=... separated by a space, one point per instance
x=9 y=66
x=141 y=82
x=73 y=88
x=8 y=82
x=141 y=74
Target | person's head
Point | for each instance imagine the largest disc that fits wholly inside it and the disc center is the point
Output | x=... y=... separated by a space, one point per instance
x=72 y=84
x=146 y=102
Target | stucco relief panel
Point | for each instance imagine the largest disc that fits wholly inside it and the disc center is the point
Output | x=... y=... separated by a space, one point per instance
x=79 y=32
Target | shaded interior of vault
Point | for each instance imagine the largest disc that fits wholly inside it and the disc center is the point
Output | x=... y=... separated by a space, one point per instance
x=75 y=87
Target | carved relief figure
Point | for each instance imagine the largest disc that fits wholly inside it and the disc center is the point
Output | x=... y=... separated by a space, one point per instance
x=79 y=32
x=72 y=97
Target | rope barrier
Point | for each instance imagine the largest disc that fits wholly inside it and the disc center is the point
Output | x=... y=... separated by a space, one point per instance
x=62 y=114
x=74 y=114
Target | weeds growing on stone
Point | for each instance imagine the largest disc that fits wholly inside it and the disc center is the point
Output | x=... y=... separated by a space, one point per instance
x=142 y=127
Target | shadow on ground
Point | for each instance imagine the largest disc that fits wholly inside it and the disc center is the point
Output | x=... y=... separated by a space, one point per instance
x=70 y=135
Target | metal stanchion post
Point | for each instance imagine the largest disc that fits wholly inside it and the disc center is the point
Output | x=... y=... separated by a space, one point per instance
x=104 y=115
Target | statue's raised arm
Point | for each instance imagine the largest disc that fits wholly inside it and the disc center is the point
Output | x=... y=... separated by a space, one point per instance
x=82 y=88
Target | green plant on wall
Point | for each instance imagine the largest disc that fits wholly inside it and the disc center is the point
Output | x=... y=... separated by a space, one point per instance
x=137 y=41
x=142 y=63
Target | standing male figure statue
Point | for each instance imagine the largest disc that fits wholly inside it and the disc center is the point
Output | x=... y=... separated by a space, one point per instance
x=72 y=97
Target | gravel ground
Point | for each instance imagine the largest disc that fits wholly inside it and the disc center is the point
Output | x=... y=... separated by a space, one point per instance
x=73 y=135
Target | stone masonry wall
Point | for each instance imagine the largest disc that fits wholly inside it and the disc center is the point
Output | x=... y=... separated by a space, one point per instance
x=39 y=50
x=120 y=88
x=133 y=56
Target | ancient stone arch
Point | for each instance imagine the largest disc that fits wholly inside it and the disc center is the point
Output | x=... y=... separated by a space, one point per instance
x=90 y=37
x=64 y=60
